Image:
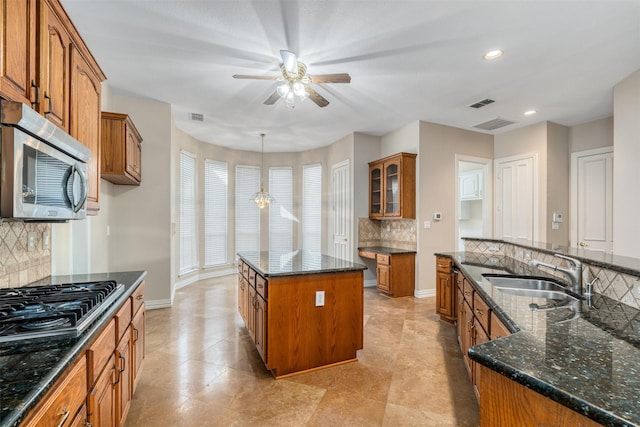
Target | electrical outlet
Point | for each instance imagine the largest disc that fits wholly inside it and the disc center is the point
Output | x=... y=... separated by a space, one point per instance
x=319 y=298
x=31 y=241
x=493 y=247
x=45 y=241
x=388 y=227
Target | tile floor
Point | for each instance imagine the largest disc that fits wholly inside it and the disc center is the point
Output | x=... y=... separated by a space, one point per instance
x=202 y=369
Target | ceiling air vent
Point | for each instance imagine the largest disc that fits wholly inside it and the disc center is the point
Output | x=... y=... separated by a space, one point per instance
x=493 y=124
x=482 y=103
x=196 y=117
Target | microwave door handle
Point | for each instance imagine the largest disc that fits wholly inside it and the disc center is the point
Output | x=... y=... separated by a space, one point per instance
x=83 y=186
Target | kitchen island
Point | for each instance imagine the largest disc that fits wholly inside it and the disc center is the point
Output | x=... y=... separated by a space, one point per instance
x=304 y=310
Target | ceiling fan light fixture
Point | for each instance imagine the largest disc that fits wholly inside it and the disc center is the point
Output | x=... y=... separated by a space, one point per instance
x=298 y=89
x=283 y=89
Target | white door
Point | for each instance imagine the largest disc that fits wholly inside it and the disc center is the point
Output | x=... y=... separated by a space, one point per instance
x=341 y=211
x=592 y=199
x=516 y=195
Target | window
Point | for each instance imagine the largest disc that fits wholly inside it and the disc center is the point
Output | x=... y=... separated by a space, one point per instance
x=188 y=243
x=215 y=213
x=247 y=213
x=280 y=211
x=312 y=207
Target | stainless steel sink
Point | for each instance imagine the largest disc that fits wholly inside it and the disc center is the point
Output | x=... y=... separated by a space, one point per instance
x=526 y=286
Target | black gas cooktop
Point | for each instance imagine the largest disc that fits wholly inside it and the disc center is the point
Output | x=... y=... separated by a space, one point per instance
x=52 y=310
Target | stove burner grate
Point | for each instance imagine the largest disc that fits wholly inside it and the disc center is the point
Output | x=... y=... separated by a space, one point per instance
x=44 y=323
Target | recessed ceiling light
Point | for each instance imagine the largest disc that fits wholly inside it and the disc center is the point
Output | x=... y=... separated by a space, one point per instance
x=530 y=112
x=494 y=54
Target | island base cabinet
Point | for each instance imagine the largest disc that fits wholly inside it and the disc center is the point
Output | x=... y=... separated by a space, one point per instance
x=506 y=403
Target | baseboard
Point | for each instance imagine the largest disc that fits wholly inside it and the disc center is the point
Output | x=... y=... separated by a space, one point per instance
x=370 y=283
x=155 y=304
x=203 y=276
x=424 y=293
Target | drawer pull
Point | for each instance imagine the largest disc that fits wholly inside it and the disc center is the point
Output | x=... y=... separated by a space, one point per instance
x=124 y=364
x=139 y=297
x=480 y=311
x=117 y=374
x=136 y=335
x=65 y=414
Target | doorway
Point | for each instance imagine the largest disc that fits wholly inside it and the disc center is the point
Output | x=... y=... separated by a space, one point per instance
x=473 y=198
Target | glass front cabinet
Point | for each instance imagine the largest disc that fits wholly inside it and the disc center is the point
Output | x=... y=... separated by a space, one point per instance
x=392 y=187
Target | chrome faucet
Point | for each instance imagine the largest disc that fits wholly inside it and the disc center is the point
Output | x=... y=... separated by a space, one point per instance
x=574 y=271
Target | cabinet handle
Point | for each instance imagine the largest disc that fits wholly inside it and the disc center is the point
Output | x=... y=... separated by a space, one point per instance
x=33 y=85
x=46 y=96
x=139 y=297
x=87 y=424
x=124 y=364
x=136 y=335
x=479 y=311
x=117 y=374
x=65 y=414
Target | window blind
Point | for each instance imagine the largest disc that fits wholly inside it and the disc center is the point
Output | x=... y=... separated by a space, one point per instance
x=188 y=243
x=280 y=211
x=215 y=213
x=312 y=207
x=247 y=213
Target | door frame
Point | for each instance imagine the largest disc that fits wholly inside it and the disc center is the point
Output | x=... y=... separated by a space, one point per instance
x=573 y=237
x=498 y=199
x=487 y=194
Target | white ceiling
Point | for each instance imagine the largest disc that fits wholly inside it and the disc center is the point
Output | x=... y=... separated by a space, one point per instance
x=408 y=60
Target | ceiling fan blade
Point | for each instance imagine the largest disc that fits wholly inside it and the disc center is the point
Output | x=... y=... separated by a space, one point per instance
x=331 y=78
x=244 y=76
x=272 y=99
x=290 y=61
x=316 y=97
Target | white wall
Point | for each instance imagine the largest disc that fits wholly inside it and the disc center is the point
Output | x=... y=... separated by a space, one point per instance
x=558 y=183
x=587 y=136
x=626 y=170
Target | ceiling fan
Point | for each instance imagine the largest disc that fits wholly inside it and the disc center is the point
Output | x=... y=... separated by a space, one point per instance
x=297 y=82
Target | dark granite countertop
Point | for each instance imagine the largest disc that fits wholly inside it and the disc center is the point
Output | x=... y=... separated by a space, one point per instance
x=28 y=368
x=585 y=356
x=386 y=250
x=281 y=263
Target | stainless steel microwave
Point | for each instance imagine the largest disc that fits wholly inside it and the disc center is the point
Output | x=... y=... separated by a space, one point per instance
x=43 y=169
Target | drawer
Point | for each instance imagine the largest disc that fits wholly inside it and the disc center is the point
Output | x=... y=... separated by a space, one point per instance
x=467 y=290
x=137 y=298
x=100 y=351
x=67 y=397
x=384 y=259
x=443 y=264
x=261 y=286
x=460 y=281
x=252 y=277
x=245 y=270
x=123 y=318
x=497 y=328
x=481 y=311
x=367 y=254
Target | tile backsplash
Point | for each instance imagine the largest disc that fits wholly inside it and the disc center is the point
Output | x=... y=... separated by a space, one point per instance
x=397 y=233
x=18 y=266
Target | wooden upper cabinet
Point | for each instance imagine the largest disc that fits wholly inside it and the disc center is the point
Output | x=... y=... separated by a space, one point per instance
x=121 y=161
x=55 y=48
x=85 y=121
x=18 y=50
x=392 y=187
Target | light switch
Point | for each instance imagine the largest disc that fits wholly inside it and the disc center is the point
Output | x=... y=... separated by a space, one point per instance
x=427 y=224
x=31 y=241
x=45 y=240
x=319 y=298
x=555 y=226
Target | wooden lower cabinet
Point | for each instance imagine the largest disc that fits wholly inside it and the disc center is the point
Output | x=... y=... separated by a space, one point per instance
x=512 y=404
x=138 y=346
x=396 y=274
x=64 y=405
x=445 y=289
x=124 y=380
x=102 y=397
x=80 y=420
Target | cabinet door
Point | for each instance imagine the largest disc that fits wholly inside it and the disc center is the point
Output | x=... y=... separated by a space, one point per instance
x=80 y=420
x=123 y=386
x=261 y=327
x=138 y=346
x=471 y=186
x=55 y=46
x=133 y=154
x=461 y=320
x=17 y=49
x=242 y=297
x=102 y=398
x=444 y=293
x=375 y=190
x=479 y=337
x=251 y=313
x=384 y=278
x=392 y=188
x=467 y=336
x=85 y=121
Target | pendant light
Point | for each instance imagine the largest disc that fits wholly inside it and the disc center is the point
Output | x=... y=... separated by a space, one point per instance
x=262 y=198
